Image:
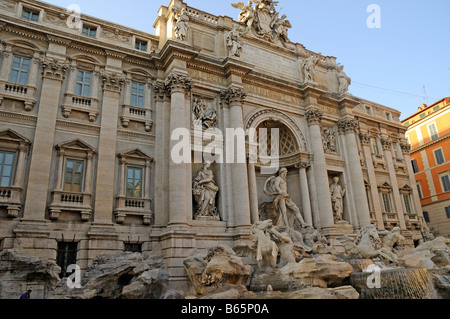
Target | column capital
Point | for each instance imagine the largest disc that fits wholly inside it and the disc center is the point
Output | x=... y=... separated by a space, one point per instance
x=233 y=96
x=314 y=116
x=112 y=82
x=303 y=165
x=365 y=138
x=162 y=91
x=386 y=142
x=406 y=148
x=54 y=69
x=347 y=125
x=178 y=83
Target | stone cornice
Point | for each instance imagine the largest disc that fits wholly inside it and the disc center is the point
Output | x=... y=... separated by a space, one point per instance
x=175 y=50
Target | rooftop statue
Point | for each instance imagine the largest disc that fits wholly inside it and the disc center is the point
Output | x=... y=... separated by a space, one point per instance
x=262 y=17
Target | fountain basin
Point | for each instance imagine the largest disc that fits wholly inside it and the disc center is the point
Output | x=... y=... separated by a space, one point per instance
x=398 y=283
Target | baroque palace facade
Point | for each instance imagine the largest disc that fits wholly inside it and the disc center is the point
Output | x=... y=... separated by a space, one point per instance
x=87 y=108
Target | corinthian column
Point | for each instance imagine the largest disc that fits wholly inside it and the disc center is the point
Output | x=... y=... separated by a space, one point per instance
x=314 y=118
x=41 y=159
x=104 y=193
x=234 y=99
x=179 y=193
x=348 y=127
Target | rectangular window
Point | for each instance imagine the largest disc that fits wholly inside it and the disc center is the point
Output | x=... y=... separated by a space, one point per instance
x=134 y=182
x=387 y=202
x=426 y=216
x=137 y=94
x=419 y=190
x=30 y=15
x=447 y=211
x=432 y=130
x=133 y=248
x=89 y=31
x=6 y=168
x=73 y=177
x=141 y=45
x=84 y=80
x=415 y=167
x=408 y=205
x=66 y=255
x=439 y=156
x=436 y=108
x=389 y=116
x=20 y=70
x=445 y=180
x=376 y=147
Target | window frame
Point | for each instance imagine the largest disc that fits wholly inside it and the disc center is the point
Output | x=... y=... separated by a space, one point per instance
x=137 y=94
x=89 y=29
x=433 y=136
x=426 y=216
x=13 y=167
x=83 y=83
x=20 y=70
x=142 y=171
x=441 y=176
x=33 y=13
x=82 y=174
x=67 y=260
x=447 y=211
x=139 y=45
x=414 y=165
x=436 y=157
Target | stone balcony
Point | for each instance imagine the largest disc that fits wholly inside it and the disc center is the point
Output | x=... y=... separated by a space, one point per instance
x=80 y=104
x=412 y=221
x=390 y=220
x=137 y=114
x=379 y=160
x=133 y=207
x=72 y=202
x=18 y=92
x=10 y=197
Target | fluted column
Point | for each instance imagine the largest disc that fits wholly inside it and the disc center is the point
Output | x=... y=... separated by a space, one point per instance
x=253 y=189
x=348 y=127
x=234 y=99
x=179 y=212
x=314 y=118
x=304 y=189
x=89 y=164
x=6 y=64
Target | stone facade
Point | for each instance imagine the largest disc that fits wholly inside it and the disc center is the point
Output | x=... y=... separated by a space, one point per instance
x=95 y=168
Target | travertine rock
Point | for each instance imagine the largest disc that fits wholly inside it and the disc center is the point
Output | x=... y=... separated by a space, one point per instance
x=125 y=276
x=219 y=266
x=418 y=259
x=322 y=271
x=18 y=273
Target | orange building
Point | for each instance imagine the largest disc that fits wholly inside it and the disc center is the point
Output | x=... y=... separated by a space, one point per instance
x=429 y=135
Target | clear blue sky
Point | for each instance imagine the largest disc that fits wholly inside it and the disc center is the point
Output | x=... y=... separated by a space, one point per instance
x=390 y=65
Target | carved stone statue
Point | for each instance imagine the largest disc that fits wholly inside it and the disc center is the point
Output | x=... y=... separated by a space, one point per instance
x=203 y=116
x=364 y=245
x=276 y=188
x=205 y=190
x=182 y=24
x=391 y=238
x=344 y=80
x=329 y=140
x=309 y=68
x=234 y=43
x=264 y=20
x=337 y=199
x=425 y=230
x=247 y=15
